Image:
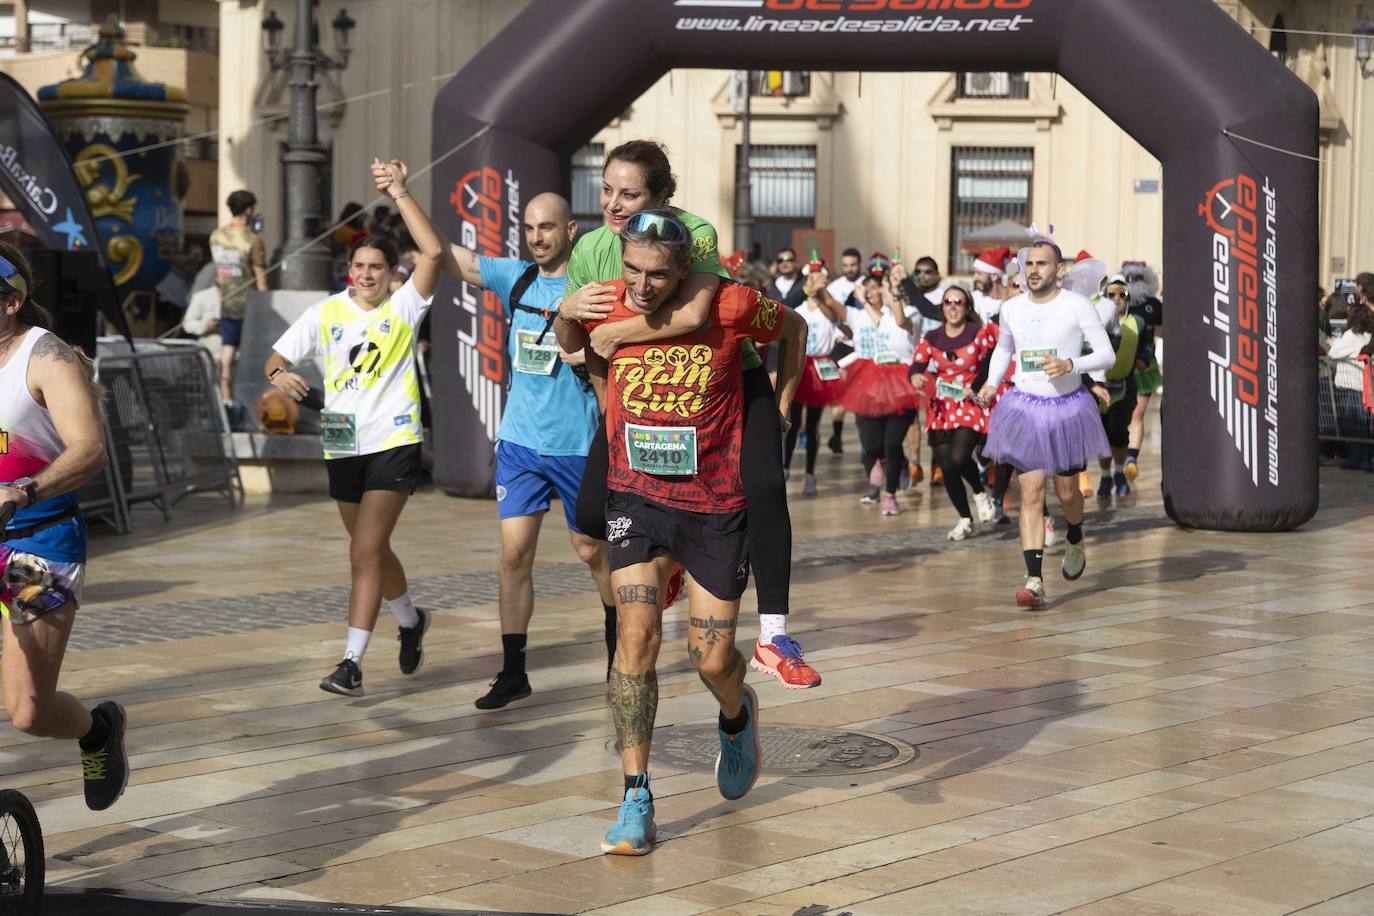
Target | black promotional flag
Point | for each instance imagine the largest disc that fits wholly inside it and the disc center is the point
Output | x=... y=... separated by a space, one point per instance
x=36 y=174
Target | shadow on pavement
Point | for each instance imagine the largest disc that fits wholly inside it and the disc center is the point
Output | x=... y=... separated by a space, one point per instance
x=103 y=903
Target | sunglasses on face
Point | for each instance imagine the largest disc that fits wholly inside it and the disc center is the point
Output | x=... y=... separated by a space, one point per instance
x=664 y=229
x=958 y=302
x=786 y=258
x=1118 y=295
x=926 y=270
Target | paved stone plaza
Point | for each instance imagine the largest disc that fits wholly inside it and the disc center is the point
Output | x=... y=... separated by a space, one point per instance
x=1187 y=729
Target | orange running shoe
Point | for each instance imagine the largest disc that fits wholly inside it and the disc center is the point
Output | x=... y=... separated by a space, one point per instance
x=782 y=658
x=937 y=476
x=675 y=583
x=918 y=474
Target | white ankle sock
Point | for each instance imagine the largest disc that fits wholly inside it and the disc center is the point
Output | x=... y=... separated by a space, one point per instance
x=771 y=625
x=357 y=644
x=403 y=609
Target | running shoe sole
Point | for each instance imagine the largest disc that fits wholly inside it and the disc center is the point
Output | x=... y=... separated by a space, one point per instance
x=329 y=686
x=1029 y=599
x=625 y=849
x=1064 y=569
x=761 y=667
x=1130 y=470
x=758 y=751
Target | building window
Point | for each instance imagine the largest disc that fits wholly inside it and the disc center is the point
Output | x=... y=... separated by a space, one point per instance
x=587 y=165
x=781 y=83
x=992 y=86
x=989 y=184
x=783 y=194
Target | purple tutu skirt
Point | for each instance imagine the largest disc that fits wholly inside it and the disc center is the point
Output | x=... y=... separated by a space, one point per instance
x=1054 y=435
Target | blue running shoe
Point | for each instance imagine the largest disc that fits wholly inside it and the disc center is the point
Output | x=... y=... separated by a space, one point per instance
x=737 y=766
x=633 y=832
x=1123 y=487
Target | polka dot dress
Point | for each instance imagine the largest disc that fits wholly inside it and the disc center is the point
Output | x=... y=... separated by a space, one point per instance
x=957 y=361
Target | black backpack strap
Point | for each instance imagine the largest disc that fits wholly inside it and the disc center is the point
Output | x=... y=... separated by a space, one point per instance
x=517 y=292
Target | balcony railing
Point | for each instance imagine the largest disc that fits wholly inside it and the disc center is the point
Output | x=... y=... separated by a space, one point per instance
x=1000 y=85
x=71 y=36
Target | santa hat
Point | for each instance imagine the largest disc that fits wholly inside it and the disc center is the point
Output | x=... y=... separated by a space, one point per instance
x=1082 y=255
x=992 y=261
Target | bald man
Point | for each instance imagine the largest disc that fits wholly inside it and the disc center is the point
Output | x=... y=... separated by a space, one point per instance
x=547 y=427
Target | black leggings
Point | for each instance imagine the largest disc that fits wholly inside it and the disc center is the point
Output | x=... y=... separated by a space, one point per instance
x=881 y=437
x=1001 y=480
x=770 y=537
x=952 y=450
x=813 y=434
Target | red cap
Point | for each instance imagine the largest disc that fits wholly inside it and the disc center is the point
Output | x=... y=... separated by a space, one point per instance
x=1082 y=255
x=993 y=260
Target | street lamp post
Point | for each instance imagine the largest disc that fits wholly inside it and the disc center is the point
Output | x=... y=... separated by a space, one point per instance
x=744 y=196
x=305 y=266
x=1364 y=42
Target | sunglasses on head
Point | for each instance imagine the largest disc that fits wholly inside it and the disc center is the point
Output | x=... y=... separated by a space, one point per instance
x=11 y=280
x=663 y=228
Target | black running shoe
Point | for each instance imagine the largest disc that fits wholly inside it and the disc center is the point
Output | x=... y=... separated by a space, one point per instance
x=105 y=770
x=505 y=688
x=836 y=445
x=412 y=643
x=347 y=679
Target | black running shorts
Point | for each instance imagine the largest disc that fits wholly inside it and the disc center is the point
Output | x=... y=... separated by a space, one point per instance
x=712 y=547
x=394 y=469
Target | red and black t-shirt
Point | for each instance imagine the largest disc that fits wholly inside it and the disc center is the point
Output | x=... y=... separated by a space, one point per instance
x=674 y=408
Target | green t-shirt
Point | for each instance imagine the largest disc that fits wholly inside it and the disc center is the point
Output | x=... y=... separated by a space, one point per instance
x=596 y=259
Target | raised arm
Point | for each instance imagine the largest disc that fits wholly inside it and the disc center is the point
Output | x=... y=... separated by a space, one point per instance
x=897 y=308
x=64 y=381
x=391 y=181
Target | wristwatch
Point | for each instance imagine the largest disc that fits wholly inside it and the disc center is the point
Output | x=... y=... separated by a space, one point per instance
x=30 y=488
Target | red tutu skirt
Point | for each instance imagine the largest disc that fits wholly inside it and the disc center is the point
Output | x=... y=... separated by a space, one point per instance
x=814 y=391
x=871 y=390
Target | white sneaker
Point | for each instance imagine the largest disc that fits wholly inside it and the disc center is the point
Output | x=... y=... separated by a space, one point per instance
x=986 y=510
x=809 y=485
x=962 y=530
x=1049 y=532
x=1075 y=561
x=1033 y=595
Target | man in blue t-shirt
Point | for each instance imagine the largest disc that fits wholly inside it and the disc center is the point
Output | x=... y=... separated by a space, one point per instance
x=546 y=429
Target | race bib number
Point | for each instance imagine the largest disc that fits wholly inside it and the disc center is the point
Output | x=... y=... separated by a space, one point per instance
x=885 y=359
x=1033 y=362
x=664 y=450
x=338 y=432
x=826 y=369
x=533 y=357
x=951 y=390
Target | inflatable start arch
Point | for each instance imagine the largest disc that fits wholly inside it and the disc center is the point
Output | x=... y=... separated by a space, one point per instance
x=1240 y=220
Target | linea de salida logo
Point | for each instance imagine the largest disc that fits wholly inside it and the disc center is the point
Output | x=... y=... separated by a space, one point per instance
x=1242 y=335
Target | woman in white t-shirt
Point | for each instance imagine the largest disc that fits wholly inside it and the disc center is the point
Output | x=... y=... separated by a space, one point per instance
x=370 y=424
x=820 y=382
x=877 y=390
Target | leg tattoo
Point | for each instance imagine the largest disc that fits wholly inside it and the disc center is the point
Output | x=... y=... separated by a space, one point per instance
x=639 y=594
x=730 y=679
x=634 y=704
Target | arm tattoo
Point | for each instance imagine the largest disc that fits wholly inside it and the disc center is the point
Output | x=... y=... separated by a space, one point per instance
x=634 y=704
x=54 y=346
x=639 y=594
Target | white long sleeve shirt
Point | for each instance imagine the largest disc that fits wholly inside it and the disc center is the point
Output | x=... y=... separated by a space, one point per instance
x=1055 y=328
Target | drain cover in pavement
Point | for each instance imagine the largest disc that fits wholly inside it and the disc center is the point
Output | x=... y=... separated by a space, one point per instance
x=787 y=751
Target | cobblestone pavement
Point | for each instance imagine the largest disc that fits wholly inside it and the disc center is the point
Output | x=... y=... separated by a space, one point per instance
x=128 y=625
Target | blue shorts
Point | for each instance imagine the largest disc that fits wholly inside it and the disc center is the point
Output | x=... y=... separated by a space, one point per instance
x=231 y=331
x=526 y=481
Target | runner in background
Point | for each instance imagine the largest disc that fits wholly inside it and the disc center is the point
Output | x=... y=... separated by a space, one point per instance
x=370 y=424
x=820 y=382
x=844 y=289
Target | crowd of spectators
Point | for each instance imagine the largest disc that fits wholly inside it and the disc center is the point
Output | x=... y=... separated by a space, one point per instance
x=1345 y=331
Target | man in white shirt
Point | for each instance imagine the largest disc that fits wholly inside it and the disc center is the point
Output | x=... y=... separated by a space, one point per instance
x=851 y=272
x=989 y=292
x=787 y=285
x=1049 y=423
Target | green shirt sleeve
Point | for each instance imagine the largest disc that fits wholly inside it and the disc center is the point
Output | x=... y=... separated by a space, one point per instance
x=577 y=270
x=706 y=252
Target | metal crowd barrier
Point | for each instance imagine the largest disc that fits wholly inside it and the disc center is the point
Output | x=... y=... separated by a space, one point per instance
x=1342 y=391
x=166 y=432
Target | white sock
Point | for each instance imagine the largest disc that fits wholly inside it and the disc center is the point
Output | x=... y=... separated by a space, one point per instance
x=357 y=644
x=771 y=625
x=403 y=609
